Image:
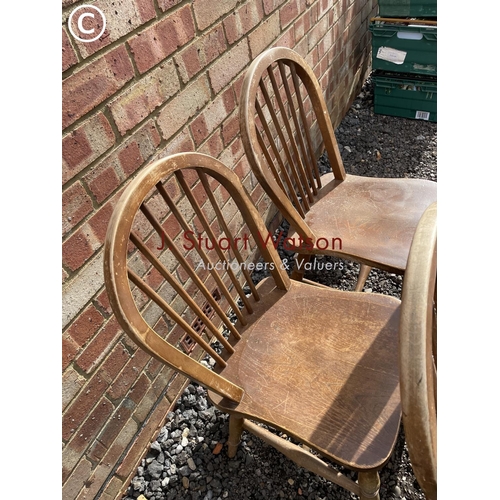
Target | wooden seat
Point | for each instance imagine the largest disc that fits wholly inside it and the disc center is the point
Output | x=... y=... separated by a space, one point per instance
x=285 y=126
x=316 y=363
x=418 y=353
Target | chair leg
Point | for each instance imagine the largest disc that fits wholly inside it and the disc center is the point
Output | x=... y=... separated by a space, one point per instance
x=369 y=483
x=299 y=269
x=364 y=271
x=235 y=430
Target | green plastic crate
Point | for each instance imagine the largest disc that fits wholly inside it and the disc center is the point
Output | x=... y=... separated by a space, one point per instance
x=408 y=8
x=404 y=49
x=405 y=96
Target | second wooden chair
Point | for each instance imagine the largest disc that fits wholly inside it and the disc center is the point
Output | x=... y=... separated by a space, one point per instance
x=285 y=126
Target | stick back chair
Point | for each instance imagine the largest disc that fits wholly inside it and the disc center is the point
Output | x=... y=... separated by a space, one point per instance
x=285 y=126
x=418 y=353
x=315 y=363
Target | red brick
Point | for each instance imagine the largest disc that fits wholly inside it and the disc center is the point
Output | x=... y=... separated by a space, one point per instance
x=240 y=22
x=104 y=182
x=157 y=42
x=99 y=346
x=85 y=325
x=82 y=438
x=168 y=4
x=140 y=100
x=288 y=13
x=183 y=106
x=213 y=145
x=207 y=12
x=96 y=451
x=89 y=238
x=76 y=250
x=264 y=35
x=69 y=349
x=120 y=21
x=116 y=423
x=76 y=204
x=75 y=483
x=230 y=129
x=102 y=301
x=201 y=53
x=143 y=383
x=229 y=65
x=114 y=363
x=270 y=5
x=89 y=87
x=85 y=144
x=83 y=404
x=68 y=53
x=129 y=375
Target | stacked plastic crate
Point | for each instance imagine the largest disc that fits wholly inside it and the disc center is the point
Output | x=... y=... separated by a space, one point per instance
x=404 y=59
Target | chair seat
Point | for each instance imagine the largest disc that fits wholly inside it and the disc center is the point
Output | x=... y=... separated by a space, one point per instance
x=322 y=366
x=374 y=217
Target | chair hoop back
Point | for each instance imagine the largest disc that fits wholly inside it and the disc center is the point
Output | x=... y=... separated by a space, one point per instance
x=172 y=263
x=285 y=125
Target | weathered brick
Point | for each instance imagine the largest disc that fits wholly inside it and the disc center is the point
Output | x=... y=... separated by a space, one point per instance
x=68 y=53
x=230 y=128
x=78 y=291
x=77 y=479
x=229 y=65
x=129 y=463
x=85 y=144
x=72 y=382
x=200 y=53
x=215 y=113
x=120 y=21
x=112 y=489
x=288 y=13
x=124 y=161
x=168 y=4
x=99 y=346
x=89 y=87
x=140 y=388
x=207 y=12
x=157 y=42
x=129 y=375
x=94 y=421
x=241 y=21
x=270 y=5
x=76 y=204
x=213 y=145
x=264 y=35
x=69 y=349
x=82 y=405
x=317 y=32
x=287 y=39
x=183 y=106
x=104 y=469
x=140 y=100
x=115 y=424
x=114 y=363
x=76 y=250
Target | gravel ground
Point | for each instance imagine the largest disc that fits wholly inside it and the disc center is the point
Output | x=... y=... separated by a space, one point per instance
x=186 y=460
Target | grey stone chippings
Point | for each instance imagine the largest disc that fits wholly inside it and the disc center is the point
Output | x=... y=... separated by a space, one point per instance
x=181 y=464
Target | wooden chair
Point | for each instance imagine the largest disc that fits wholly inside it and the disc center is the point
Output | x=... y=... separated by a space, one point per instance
x=418 y=353
x=285 y=126
x=315 y=363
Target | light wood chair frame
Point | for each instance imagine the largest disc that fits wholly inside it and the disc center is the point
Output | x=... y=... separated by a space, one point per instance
x=418 y=353
x=224 y=393
x=298 y=162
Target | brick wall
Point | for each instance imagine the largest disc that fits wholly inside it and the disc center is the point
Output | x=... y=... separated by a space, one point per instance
x=164 y=77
